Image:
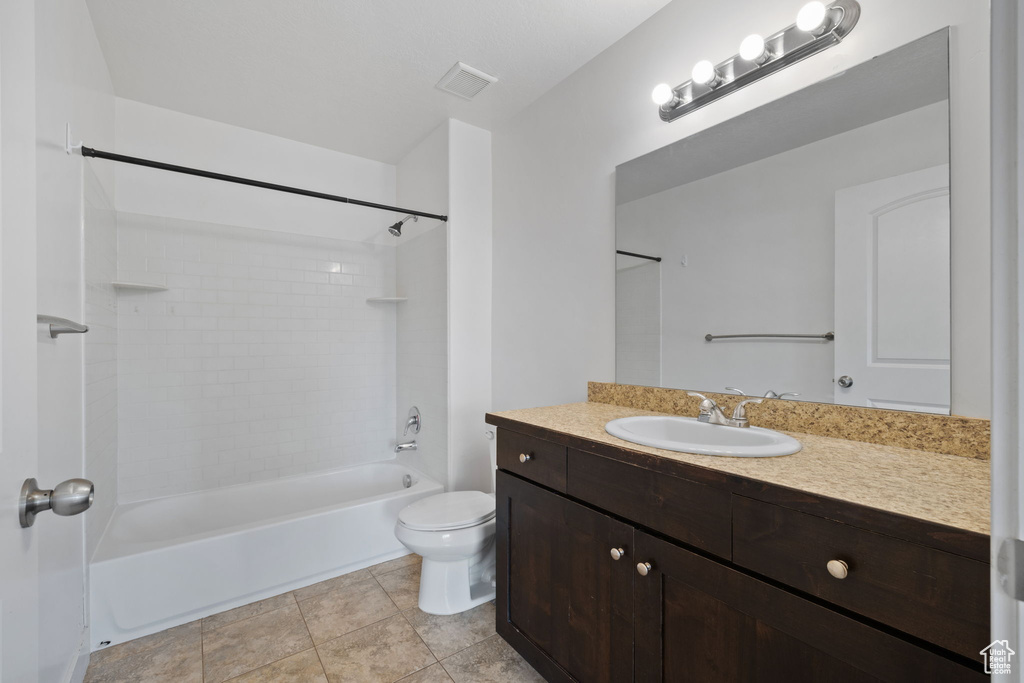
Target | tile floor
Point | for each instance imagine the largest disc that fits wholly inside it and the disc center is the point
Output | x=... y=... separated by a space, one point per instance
x=363 y=626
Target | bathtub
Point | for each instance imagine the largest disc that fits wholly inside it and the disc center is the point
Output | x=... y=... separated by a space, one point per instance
x=168 y=561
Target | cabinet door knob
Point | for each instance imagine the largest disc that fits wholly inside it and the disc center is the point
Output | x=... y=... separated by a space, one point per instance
x=618 y=553
x=525 y=457
x=838 y=568
x=643 y=568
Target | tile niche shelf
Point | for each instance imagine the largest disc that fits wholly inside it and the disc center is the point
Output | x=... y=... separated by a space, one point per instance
x=386 y=299
x=138 y=287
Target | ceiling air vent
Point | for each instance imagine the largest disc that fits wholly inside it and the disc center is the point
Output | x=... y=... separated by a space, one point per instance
x=465 y=81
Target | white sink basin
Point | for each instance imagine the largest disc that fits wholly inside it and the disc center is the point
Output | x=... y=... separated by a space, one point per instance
x=687 y=435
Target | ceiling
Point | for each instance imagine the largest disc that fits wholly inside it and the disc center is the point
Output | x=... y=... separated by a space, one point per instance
x=355 y=76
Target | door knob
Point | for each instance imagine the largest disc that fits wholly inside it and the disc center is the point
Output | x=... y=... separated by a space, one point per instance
x=845 y=381
x=643 y=568
x=67 y=498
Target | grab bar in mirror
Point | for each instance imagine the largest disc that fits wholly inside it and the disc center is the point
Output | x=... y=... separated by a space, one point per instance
x=829 y=336
x=60 y=326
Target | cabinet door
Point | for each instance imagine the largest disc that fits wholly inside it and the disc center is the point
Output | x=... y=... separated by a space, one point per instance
x=563 y=602
x=698 y=620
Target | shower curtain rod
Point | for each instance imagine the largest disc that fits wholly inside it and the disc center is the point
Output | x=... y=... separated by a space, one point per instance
x=99 y=154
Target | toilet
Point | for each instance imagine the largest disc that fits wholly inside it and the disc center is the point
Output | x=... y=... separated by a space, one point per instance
x=454 y=532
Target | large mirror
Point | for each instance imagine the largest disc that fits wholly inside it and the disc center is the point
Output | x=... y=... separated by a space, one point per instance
x=801 y=249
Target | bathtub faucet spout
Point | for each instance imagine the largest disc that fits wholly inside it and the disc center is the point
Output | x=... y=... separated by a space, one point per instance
x=407 y=446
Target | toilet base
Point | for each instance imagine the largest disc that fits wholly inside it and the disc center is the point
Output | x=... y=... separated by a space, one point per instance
x=450 y=587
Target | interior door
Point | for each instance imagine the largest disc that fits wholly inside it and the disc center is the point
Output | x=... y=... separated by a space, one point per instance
x=19 y=592
x=892 y=296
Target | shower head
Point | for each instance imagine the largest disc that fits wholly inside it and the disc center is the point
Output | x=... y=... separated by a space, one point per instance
x=396 y=229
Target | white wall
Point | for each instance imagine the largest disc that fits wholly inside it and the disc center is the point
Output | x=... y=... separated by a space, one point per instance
x=422 y=330
x=422 y=276
x=164 y=135
x=449 y=173
x=469 y=304
x=263 y=358
x=554 y=183
x=100 y=271
x=763 y=260
x=72 y=86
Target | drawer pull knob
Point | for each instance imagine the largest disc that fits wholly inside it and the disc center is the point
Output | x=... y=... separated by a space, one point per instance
x=525 y=457
x=838 y=568
x=618 y=553
x=644 y=568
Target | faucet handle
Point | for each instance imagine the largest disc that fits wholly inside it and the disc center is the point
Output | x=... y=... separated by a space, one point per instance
x=788 y=393
x=414 y=421
x=737 y=390
x=740 y=411
x=705 y=402
x=708 y=408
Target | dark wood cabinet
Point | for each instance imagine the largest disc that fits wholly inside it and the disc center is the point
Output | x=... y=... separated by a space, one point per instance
x=705 y=584
x=905 y=585
x=700 y=620
x=564 y=599
x=695 y=514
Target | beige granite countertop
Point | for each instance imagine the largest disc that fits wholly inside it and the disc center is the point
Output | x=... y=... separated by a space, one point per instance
x=945 y=489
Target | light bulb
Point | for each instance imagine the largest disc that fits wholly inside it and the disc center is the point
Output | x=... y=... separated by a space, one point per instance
x=812 y=17
x=703 y=73
x=663 y=94
x=752 y=48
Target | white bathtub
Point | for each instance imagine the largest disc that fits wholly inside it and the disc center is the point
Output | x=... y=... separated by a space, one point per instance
x=169 y=561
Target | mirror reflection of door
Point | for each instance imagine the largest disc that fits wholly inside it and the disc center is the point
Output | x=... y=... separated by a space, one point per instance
x=892 y=295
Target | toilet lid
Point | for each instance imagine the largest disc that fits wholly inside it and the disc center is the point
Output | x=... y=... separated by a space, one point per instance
x=454 y=510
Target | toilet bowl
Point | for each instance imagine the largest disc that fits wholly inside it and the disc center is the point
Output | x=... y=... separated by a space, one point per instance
x=454 y=533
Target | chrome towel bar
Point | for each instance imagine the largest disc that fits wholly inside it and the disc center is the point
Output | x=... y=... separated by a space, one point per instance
x=60 y=326
x=828 y=336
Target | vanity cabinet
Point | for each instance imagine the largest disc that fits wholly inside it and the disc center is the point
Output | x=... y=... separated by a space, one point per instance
x=565 y=595
x=623 y=573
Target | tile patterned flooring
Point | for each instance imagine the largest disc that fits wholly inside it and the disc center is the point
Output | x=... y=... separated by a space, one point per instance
x=363 y=626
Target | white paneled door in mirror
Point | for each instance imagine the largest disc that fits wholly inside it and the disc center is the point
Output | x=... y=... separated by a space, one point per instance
x=892 y=292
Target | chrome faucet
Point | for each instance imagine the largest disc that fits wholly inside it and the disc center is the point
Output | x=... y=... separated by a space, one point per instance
x=712 y=414
x=405 y=446
x=772 y=394
x=767 y=394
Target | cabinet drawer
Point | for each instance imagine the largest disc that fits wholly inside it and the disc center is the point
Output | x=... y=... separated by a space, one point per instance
x=689 y=512
x=532 y=458
x=935 y=595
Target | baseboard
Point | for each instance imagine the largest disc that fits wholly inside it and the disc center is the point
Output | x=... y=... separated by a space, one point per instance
x=77 y=674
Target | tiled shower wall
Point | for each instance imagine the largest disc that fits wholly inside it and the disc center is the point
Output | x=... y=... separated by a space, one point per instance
x=422 y=275
x=100 y=350
x=262 y=359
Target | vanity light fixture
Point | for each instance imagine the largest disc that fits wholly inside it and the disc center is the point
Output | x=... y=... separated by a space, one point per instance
x=818 y=27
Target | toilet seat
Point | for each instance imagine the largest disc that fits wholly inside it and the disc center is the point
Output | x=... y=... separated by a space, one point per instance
x=448 y=511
